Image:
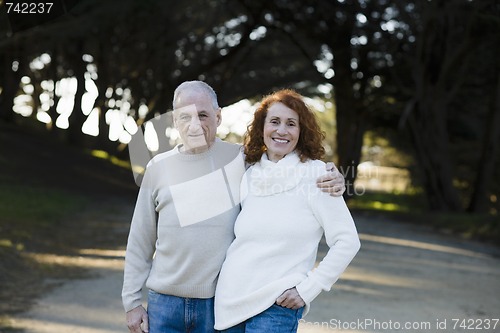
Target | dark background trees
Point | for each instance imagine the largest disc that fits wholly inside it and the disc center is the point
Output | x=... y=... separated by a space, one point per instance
x=423 y=74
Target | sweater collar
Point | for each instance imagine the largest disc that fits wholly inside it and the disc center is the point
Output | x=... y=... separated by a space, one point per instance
x=199 y=156
x=269 y=178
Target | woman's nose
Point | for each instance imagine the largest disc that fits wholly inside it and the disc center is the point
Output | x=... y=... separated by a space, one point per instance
x=281 y=130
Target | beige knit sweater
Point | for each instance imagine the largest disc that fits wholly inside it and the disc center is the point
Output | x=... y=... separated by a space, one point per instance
x=183 y=223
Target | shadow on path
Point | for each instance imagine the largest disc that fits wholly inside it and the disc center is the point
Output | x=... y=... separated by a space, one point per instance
x=405 y=278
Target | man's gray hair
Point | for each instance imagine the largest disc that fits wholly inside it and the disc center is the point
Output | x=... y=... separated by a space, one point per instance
x=198 y=87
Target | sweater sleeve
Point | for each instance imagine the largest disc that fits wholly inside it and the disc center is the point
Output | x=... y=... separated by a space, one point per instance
x=140 y=245
x=341 y=237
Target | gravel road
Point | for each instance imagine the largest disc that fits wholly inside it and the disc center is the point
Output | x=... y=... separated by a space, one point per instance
x=406 y=278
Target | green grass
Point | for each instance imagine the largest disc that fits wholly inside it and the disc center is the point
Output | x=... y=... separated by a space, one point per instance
x=26 y=210
x=412 y=207
x=389 y=202
x=471 y=226
x=40 y=204
x=31 y=219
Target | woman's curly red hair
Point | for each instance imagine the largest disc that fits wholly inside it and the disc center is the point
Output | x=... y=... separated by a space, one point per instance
x=309 y=145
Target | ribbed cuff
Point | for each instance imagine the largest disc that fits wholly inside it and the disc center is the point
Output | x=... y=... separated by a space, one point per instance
x=308 y=290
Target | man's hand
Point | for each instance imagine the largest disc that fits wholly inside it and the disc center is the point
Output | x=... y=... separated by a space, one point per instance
x=137 y=320
x=290 y=299
x=333 y=182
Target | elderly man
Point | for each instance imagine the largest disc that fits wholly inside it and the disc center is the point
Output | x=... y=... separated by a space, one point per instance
x=183 y=220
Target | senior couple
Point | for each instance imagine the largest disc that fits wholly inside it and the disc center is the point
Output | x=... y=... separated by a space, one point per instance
x=225 y=237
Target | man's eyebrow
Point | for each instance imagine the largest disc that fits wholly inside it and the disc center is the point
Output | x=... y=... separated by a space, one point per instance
x=188 y=112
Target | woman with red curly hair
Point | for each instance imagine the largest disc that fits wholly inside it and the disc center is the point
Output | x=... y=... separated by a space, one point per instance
x=267 y=281
x=309 y=145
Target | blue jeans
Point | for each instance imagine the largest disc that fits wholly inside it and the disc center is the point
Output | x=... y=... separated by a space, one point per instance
x=172 y=314
x=275 y=319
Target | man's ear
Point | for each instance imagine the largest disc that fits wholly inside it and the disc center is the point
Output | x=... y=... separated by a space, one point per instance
x=174 y=119
x=218 y=114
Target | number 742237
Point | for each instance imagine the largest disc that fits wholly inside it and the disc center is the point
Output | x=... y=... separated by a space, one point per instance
x=29 y=7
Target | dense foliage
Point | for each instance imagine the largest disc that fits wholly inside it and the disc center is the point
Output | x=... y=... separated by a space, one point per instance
x=423 y=74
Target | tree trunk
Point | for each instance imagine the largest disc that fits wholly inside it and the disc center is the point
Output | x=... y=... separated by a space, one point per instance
x=489 y=152
x=103 y=141
x=53 y=74
x=348 y=110
x=431 y=146
x=439 y=68
x=77 y=118
x=9 y=84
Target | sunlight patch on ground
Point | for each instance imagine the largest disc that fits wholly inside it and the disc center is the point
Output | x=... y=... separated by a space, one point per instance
x=103 y=252
x=420 y=245
x=90 y=258
x=373 y=278
x=359 y=290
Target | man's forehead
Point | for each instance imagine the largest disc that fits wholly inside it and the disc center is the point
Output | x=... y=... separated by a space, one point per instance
x=188 y=109
x=193 y=97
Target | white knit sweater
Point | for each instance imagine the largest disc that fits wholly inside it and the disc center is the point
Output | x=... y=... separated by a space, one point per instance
x=183 y=223
x=283 y=218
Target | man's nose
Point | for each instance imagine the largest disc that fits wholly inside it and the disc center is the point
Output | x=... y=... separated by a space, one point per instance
x=195 y=122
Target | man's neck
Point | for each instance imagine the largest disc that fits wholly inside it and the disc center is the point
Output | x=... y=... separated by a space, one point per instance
x=196 y=150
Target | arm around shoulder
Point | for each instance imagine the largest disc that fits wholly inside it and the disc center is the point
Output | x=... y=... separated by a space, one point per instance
x=332 y=182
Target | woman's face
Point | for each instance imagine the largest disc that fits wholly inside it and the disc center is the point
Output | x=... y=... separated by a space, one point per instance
x=281 y=131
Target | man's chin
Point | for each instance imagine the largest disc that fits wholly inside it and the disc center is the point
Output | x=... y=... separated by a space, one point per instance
x=196 y=145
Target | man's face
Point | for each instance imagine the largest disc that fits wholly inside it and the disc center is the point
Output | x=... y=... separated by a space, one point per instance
x=196 y=120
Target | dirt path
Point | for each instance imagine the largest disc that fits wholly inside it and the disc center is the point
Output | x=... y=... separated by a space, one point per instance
x=404 y=275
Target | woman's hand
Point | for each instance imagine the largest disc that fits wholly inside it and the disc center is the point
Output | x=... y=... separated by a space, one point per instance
x=290 y=299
